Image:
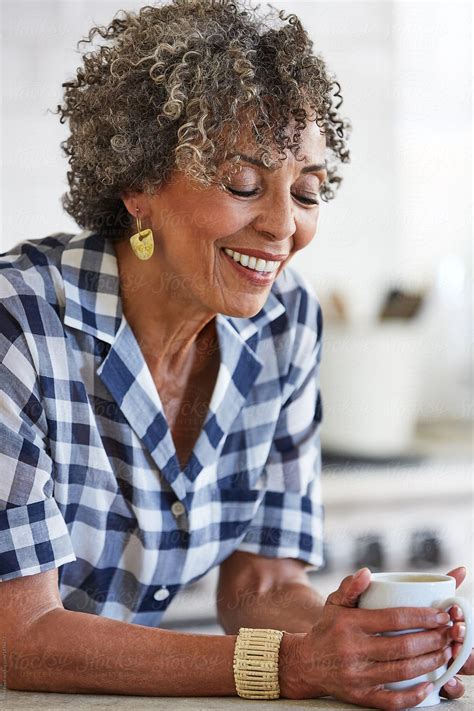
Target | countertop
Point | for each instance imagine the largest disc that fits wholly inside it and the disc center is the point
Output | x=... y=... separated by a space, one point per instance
x=33 y=700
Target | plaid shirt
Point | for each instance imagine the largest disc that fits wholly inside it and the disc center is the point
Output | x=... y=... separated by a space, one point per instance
x=89 y=478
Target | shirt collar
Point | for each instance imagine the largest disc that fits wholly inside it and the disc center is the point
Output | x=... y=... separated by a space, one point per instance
x=92 y=292
x=93 y=305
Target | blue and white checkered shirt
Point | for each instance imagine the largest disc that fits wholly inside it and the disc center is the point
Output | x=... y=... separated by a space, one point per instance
x=89 y=478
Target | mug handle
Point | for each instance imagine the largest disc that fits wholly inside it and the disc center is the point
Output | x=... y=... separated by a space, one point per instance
x=466 y=647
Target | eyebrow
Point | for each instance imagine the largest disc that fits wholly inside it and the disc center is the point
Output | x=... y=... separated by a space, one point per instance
x=254 y=161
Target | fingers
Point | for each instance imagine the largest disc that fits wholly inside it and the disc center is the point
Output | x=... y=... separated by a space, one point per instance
x=396 y=619
x=402 y=669
x=350 y=589
x=386 y=699
x=458 y=574
x=454 y=689
x=407 y=646
x=456 y=613
x=468 y=667
x=458 y=632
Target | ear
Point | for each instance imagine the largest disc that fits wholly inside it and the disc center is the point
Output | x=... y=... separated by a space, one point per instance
x=132 y=202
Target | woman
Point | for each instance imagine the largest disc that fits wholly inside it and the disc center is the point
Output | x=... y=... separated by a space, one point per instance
x=160 y=380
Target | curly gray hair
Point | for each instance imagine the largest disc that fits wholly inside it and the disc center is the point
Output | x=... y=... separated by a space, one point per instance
x=169 y=92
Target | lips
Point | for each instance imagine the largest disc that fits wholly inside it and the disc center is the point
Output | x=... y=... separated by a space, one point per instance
x=257 y=278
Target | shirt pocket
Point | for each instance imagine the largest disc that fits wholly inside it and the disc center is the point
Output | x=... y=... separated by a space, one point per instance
x=238 y=505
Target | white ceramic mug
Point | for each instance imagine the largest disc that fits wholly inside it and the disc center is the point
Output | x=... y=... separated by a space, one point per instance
x=420 y=590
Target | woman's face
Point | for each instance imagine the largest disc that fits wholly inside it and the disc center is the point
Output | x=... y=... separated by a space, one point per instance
x=193 y=225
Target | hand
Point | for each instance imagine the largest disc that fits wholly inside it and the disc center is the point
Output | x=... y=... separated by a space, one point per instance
x=343 y=657
x=457 y=690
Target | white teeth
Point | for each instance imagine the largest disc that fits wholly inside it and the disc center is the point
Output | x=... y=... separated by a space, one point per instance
x=259 y=265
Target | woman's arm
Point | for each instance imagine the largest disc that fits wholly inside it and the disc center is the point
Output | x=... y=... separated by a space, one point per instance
x=47 y=648
x=294 y=607
x=82 y=653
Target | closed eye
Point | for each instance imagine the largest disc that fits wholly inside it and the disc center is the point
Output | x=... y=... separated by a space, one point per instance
x=301 y=198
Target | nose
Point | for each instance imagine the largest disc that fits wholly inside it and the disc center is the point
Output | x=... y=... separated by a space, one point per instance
x=277 y=217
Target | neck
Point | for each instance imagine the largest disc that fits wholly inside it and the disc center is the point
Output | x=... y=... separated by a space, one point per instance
x=175 y=333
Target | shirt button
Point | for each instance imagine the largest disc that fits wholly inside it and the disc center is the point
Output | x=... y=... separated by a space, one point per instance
x=177 y=509
x=162 y=593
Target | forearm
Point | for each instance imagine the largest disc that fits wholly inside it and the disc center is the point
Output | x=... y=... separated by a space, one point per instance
x=294 y=607
x=75 y=652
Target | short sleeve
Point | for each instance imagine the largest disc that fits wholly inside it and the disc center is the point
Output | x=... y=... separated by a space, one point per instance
x=289 y=520
x=33 y=533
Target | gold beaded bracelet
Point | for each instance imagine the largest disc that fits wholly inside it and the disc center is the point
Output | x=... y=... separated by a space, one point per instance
x=256 y=663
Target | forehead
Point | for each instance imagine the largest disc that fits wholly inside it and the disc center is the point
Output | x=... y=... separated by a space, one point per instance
x=312 y=144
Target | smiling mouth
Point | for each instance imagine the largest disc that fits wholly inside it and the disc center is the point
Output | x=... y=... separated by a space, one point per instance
x=252 y=276
x=250 y=262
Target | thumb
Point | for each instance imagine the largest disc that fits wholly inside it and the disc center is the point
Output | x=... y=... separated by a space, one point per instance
x=347 y=594
x=458 y=574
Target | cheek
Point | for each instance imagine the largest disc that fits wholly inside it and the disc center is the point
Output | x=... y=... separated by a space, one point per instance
x=304 y=235
x=223 y=223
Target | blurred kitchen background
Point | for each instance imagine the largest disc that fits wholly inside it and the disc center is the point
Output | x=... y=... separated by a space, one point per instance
x=391 y=264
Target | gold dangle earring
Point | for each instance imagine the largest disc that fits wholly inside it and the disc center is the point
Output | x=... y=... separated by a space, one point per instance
x=142 y=242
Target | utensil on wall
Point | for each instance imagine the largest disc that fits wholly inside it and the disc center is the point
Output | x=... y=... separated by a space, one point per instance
x=401 y=304
x=335 y=307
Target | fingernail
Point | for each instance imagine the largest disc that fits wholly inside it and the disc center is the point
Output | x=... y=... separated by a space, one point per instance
x=451 y=682
x=429 y=688
x=442 y=618
x=462 y=631
x=359 y=572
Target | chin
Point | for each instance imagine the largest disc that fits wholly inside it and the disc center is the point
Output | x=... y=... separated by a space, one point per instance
x=242 y=312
